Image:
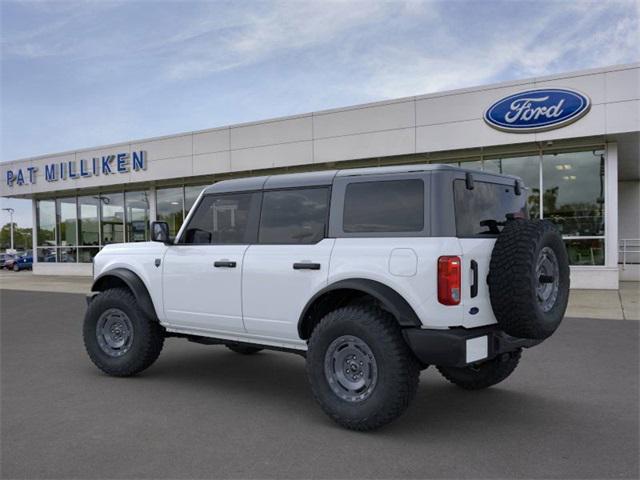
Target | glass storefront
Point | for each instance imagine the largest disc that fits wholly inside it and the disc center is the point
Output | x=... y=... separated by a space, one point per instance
x=137 y=216
x=170 y=207
x=573 y=195
x=73 y=229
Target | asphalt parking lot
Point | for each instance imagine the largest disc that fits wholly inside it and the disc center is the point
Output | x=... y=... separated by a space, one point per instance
x=569 y=411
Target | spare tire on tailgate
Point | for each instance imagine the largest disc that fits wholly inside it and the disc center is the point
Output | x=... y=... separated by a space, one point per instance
x=529 y=278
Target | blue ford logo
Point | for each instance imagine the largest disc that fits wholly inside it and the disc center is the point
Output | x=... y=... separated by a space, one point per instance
x=537 y=110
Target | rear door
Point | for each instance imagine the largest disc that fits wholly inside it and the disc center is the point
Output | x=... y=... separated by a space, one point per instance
x=289 y=263
x=480 y=213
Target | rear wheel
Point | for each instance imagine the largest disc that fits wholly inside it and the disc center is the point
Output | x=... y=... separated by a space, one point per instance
x=243 y=349
x=16 y=268
x=360 y=369
x=118 y=337
x=483 y=375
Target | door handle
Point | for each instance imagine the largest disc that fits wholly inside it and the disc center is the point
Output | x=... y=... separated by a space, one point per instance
x=474 y=272
x=306 y=266
x=224 y=263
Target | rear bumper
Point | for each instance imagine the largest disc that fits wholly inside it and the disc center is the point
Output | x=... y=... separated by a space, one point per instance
x=458 y=347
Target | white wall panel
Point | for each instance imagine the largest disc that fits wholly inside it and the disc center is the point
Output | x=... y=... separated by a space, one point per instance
x=166 y=168
x=465 y=106
x=379 y=144
x=271 y=133
x=360 y=120
x=623 y=85
x=207 y=163
x=212 y=141
x=166 y=147
x=623 y=116
x=592 y=85
x=271 y=156
x=593 y=123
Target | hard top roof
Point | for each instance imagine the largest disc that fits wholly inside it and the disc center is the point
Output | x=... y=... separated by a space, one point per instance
x=326 y=177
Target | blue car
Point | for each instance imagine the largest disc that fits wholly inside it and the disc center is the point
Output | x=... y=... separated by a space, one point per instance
x=24 y=262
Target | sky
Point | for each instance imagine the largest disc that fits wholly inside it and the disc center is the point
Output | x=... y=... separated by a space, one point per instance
x=86 y=73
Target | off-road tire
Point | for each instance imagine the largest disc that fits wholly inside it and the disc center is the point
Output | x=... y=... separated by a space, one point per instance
x=243 y=349
x=483 y=375
x=398 y=370
x=147 y=340
x=513 y=280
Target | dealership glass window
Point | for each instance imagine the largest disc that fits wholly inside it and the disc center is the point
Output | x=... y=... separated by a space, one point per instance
x=86 y=254
x=46 y=222
x=295 y=216
x=137 y=216
x=573 y=199
x=190 y=196
x=170 y=207
x=527 y=168
x=47 y=254
x=88 y=222
x=112 y=218
x=574 y=192
x=388 y=206
x=67 y=221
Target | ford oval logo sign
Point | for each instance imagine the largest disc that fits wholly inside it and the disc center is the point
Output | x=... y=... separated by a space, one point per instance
x=537 y=110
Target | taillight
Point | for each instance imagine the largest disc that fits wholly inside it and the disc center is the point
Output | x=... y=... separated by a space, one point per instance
x=449 y=280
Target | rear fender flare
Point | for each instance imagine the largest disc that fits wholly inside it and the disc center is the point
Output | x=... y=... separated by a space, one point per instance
x=391 y=301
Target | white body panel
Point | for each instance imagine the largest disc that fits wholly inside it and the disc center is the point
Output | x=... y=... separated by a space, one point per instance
x=140 y=259
x=273 y=293
x=376 y=259
x=198 y=295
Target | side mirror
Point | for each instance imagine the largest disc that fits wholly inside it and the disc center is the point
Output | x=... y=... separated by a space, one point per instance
x=160 y=232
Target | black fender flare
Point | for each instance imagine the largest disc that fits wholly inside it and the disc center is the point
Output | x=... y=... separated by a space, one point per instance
x=391 y=300
x=133 y=282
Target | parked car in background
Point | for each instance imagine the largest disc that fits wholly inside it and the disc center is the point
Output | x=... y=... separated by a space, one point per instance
x=23 y=262
x=6 y=258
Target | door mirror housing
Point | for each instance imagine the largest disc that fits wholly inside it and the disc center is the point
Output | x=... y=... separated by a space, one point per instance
x=160 y=232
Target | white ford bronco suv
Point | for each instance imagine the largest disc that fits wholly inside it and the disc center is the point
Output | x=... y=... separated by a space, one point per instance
x=372 y=274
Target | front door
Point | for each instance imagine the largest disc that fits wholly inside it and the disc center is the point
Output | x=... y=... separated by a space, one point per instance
x=202 y=272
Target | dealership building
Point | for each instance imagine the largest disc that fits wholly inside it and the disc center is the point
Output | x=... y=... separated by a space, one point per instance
x=573 y=138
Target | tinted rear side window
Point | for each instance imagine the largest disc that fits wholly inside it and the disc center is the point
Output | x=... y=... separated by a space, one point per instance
x=294 y=216
x=223 y=219
x=385 y=206
x=483 y=210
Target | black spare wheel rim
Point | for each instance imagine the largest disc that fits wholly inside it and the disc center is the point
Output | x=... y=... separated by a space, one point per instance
x=114 y=332
x=529 y=278
x=350 y=368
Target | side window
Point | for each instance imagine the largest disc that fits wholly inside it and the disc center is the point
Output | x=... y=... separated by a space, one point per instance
x=483 y=210
x=384 y=206
x=294 y=216
x=223 y=219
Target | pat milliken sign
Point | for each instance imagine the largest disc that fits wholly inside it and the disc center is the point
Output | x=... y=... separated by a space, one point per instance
x=537 y=110
x=117 y=163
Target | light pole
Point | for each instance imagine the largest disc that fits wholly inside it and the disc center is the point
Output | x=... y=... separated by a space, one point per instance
x=11 y=212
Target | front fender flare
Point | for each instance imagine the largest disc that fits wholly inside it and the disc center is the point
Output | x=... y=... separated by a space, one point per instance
x=391 y=300
x=133 y=282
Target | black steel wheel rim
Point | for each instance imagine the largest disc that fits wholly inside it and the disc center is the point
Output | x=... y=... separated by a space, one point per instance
x=548 y=279
x=114 y=332
x=350 y=368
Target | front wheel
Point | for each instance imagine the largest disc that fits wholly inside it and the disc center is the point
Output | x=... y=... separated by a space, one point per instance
x=483 y=375
x=16 y=268
x=360 y=369
x=120 y=340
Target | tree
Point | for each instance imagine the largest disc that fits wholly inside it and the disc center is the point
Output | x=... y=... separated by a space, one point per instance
x=22 y=237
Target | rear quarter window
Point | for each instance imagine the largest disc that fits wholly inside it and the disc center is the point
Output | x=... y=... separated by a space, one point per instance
x=483 y=210
x=384 y=206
